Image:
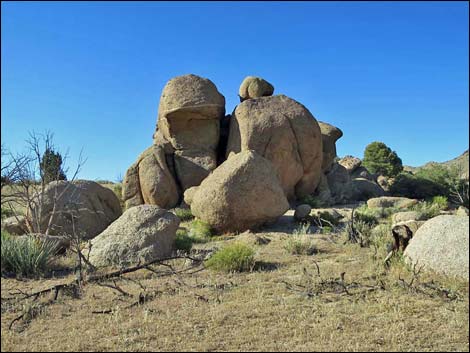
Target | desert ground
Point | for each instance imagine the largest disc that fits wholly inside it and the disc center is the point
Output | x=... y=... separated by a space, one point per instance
x=341 y=297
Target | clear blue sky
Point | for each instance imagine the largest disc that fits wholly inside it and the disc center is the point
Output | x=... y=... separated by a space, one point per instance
x=93 y=73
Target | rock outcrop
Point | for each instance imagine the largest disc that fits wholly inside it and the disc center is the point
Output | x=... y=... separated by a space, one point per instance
x=242 y=193
x=185 y=144
x=284 y=132
x=143 y=233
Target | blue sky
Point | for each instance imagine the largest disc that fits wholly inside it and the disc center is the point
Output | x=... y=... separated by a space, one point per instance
x=93 y=72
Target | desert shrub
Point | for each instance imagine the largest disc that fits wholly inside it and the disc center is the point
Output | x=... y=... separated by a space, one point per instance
x=300 y=244
x=6 y=212
x=427 y=210
x=200 y=231
x=25 y=256
x=326 y=229
x=184 y=214
x=440 y=202
x=183 y=241
x=325 y=219
x=366 y=215
x=380 y=159
x=236 y=257
x=311 y=201
x=365 y=231
x=302 y=228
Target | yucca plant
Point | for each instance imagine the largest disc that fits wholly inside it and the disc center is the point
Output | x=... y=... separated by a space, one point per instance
x=25 y=256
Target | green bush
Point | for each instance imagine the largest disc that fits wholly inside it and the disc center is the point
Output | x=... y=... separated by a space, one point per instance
x=416 y=187
x=183 y=241
x=236 y=257
x=300 y=244
x=200 y=231
x=184 y=214
x=326 y=230
x=25 y=256
x=311 y=201
x=6 y=212
x=366 y=215
x=441 y=202
x=380 y=159
x=427 y=210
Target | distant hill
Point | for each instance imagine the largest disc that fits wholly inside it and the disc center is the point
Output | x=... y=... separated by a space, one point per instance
x=461 y=161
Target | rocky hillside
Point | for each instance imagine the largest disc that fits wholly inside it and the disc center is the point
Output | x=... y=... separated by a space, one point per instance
x=460 y=161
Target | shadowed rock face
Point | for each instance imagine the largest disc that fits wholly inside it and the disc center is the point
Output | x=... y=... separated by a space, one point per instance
x=149 y=181
x=243 y=192
x=330 y=134
x=284 y=132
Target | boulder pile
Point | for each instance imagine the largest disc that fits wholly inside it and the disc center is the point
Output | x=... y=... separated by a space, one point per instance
x=241 y=170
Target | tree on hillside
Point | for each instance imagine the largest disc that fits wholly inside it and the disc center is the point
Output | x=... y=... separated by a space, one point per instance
x=51 y=166
x=380 y=159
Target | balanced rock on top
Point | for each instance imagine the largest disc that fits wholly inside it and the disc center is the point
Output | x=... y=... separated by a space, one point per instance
x=254 y=87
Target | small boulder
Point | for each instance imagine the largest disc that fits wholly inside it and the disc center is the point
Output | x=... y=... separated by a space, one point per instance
x=462 y=211
x=143 y=233
x=254 y=87
x=391 y=201
x=406 y=216
x=442 y=244
x=242 y=193
x=350 y=163
x=384 y=182
x=364 y=189
x=302 y=211
x=15 y=225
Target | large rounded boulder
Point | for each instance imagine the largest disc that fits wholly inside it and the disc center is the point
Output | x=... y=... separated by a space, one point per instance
x=188 y=125
x=143 y=233
x=242 y=193
x=82 y=208
x=284 y=132
x=150 y=181
x=441 y=244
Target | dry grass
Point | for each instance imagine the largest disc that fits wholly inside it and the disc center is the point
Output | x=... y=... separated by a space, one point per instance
x=258 y=310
